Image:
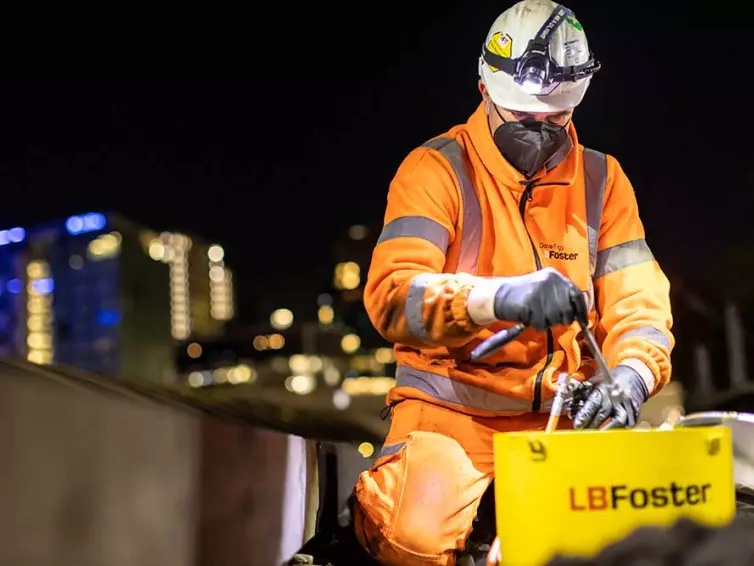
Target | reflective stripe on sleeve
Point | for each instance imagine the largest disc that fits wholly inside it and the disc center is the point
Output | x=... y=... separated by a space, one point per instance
x=416 y=227
x=622 y=256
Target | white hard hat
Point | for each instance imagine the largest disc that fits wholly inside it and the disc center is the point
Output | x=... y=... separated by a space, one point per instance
x=570 y=64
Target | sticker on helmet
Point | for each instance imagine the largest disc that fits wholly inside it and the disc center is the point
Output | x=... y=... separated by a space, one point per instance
x=500 y=44
x=574 y=22
x=574 y=51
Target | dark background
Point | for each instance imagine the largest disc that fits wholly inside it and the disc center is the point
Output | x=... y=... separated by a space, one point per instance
x=277 y=164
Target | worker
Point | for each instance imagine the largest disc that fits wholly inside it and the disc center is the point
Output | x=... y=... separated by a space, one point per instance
x=501 y=220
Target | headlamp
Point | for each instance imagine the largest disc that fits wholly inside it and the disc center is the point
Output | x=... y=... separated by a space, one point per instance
x=535 y=70
x=532 y=76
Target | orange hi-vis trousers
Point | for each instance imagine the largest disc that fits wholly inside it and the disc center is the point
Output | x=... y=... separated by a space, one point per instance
x=416 y=505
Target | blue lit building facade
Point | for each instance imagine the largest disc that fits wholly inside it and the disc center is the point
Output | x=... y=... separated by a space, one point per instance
x=97 y=292
x=12 y=275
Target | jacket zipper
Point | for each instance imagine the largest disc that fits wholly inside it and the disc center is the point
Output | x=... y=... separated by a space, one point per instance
x=526 y=197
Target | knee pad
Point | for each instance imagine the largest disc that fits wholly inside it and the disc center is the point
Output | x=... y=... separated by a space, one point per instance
x=416 y=505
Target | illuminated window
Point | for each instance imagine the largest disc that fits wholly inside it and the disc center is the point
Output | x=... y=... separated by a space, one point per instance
x=384 y=355
x=194 y=350
x=326 y=314
x=174 y=250
x=276 y=341
x=216 y=253
x=347 y=275
x=299 y=363
x=341 y=400
x=355 y=386
x=261 y=343
x=196 y=379
x=331 y=375
x=157 y=250
x=12 y=236
x=242 y=374
x=39 y=338
x=358 y=232
x=220 y=375
x=220 y=285
x=105 y=246
x=281 y=319
x=350 y=343
x=83 y=223
x=301 y=384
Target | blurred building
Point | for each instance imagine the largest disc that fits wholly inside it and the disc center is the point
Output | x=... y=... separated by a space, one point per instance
x=304 y=353
x=100 y=293
x=339 y=351
x=344 y=301
x=320 y=352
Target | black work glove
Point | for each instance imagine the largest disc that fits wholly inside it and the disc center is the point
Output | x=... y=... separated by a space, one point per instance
x=600 y=405
x=540 y=299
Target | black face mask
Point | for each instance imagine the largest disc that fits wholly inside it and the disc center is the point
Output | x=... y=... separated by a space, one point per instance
x=528 y=145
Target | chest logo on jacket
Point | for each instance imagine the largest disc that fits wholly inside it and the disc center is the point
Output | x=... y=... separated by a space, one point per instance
x=556 y=251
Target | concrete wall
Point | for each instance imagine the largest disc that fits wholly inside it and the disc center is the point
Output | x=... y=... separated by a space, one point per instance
x=93 y=477
x=254 y=487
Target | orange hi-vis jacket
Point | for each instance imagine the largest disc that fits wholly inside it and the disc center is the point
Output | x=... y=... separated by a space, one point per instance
x=459 y=215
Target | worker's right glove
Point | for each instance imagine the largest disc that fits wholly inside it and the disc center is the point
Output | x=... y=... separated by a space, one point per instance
x=540 y=299
x=600 y=404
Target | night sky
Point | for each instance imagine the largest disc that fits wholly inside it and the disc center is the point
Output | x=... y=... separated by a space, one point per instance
x=277 y=165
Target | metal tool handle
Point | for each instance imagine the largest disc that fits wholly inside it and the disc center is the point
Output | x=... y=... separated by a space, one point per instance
x=596 y=352
x=497 y=341
x=500 y=339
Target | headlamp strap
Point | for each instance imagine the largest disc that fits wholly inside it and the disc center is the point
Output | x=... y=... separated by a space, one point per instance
x=557 y=17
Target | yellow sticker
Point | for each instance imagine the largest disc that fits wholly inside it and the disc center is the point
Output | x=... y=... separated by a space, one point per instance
x=500 y=44
x=551 y=483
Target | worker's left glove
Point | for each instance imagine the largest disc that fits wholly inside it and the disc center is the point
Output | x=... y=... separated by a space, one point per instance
x=600 y=405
